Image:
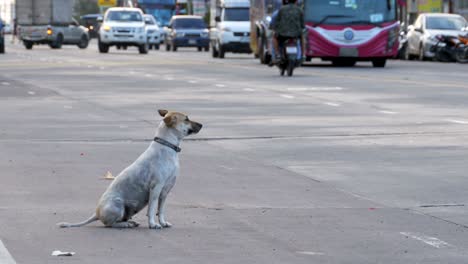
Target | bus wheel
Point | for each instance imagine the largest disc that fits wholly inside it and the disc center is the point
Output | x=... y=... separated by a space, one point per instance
x=379 y=63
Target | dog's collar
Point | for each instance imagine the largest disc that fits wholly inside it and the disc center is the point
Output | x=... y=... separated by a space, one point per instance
x=167 y=144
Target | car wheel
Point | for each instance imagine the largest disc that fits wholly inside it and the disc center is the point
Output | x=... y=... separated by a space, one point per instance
x=57 y=44
x=28 y=44
x=2 y=47
x=199 y=49
x=168 y=47
x=174 y=48
x=103 y=48
x=150 y=47
x=143 y=49
x=207 y=48
x=83 y=42
x=156 y=47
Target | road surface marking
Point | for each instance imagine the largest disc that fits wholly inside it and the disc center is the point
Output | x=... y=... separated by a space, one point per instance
x=5 y=83
x=168 y=78
x=431 y=241
x=287 y=96
x=463 y=122
x=102 y=68
x=302 y=89
x=31 y=93
x=388 y=112
x=68 y=107
x=220 y=85
x=310 y=253
x=332 y=104
x=148 y=75
x=5 y=256
x=249 y=90
x=193 y=81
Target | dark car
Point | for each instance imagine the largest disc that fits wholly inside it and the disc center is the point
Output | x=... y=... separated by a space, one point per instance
x=2 y=37
x=90 y=22
x=187 y=31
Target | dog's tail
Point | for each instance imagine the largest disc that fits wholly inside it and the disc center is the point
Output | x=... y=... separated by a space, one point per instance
x=90 y=220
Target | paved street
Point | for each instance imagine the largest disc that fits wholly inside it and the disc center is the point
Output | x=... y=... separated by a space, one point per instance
x=333 y=165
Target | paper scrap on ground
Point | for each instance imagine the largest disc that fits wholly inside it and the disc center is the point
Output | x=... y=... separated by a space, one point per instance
x=59 y=253
x=109 y=176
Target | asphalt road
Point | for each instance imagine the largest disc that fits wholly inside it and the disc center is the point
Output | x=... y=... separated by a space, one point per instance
x=334 y=165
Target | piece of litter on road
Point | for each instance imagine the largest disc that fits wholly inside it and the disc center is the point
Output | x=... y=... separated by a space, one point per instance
x=58 y=253
x=108 y=176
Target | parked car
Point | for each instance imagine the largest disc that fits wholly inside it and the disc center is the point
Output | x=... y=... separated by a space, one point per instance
x=152 y=32
x=187 y=31
x=90 y=21
x=2 y=37
x=122 y=27
x=422 y=34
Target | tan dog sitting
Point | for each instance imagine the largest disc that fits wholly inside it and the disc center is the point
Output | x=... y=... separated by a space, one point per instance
x=148 y=180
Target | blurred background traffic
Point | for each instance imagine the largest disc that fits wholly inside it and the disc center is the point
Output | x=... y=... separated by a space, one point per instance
x=343 y=32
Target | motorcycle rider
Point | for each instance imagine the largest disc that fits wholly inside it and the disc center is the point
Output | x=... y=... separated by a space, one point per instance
x=289 y=23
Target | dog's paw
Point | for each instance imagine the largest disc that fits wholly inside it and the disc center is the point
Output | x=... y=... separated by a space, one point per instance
x=155 y=226
x=166 y=224
x=133 y=223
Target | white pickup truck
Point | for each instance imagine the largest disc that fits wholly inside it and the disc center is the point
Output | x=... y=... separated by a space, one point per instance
x=123 y=27
x=229 y=27
x=49 y=22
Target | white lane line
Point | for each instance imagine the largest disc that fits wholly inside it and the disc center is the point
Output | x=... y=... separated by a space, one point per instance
x=5 y=256
x=192 y=81
x=287 y=96
x=303 y=89
x=148 y=75
x=220 y=85
x=249 y=90
x=456 y=121
x=168 y=78
x=388 y=112
x=332 y=104
x=310 y=253
x=431 y=241
x=31 y=93
x=5 y=83
x=68 y=107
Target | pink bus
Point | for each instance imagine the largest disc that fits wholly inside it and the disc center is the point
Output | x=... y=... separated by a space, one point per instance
x=347 y=31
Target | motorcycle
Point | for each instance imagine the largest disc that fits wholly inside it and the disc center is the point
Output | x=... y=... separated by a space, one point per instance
x=290 y=56
x=450 y=48
x=461 y=54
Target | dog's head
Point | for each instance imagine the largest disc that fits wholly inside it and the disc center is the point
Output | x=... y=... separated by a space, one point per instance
x=180 y=123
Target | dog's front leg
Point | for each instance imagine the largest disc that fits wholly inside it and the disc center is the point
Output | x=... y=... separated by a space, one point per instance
x=155 y=192
x=162 y=209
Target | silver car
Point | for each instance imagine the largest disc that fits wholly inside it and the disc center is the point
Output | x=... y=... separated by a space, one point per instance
x=421 y=35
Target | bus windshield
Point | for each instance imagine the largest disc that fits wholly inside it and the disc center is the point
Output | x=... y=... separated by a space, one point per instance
x=348 y=12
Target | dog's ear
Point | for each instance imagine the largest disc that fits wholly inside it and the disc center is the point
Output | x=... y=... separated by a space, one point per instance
x=162 y=112
x=170 y=120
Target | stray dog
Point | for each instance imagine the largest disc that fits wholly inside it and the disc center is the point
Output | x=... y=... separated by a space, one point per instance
x=148 y=180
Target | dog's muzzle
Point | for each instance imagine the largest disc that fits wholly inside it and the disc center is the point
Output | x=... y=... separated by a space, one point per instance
x=196 y=127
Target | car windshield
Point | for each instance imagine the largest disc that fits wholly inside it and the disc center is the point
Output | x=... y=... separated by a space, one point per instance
x=149 y=20
x=124 y=16
x=445 y=23
x=236 y=14
x=349 y=12
x=189 y=23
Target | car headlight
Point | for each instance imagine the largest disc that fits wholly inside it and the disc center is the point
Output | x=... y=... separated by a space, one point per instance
x=180 y=34
x=106 y=28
